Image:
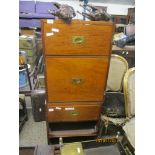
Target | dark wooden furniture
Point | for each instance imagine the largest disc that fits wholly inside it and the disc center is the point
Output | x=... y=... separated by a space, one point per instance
x=76 y=59
x=23 y=116
x=38 y=104
x=131 y=14
x=120 y=19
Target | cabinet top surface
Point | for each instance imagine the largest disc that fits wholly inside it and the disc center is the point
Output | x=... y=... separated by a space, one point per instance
x=50 y=21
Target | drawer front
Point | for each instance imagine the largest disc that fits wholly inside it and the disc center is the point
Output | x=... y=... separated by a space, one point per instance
x=76 y=78
x=77 y=38
x=69 y=112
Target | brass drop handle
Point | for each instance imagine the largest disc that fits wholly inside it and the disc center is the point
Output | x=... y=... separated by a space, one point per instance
x=74 y=113
x=76 y=81
x=78 y=39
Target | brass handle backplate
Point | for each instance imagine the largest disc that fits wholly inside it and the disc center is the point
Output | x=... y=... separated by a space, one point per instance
x=76 y=81
x=78 y=39
x=74 y=113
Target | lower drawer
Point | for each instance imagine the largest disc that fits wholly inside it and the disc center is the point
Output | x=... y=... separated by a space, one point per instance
x=70 y=112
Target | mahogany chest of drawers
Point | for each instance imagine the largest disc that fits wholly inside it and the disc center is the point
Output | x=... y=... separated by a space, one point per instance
x=76 y=59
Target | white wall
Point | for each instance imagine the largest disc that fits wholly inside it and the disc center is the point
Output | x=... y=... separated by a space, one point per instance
x=115 y=9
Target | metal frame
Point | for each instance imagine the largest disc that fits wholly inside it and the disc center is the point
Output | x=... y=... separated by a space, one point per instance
x=85 y=3
x=125 y=87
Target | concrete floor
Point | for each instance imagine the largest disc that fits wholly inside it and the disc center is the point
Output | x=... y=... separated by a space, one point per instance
x=33 y=133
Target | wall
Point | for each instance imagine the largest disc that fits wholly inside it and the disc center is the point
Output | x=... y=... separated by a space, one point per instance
x=115 y=9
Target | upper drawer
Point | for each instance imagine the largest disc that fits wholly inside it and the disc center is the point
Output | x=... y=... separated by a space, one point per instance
x=77 y=38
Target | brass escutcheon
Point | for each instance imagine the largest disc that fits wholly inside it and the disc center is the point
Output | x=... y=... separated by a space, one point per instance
x=78 y=39
x=76 y=81
x=74 y=113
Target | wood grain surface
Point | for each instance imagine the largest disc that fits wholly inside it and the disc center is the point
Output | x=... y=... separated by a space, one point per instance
x=73 y=112
x=58 y=38
x=61 y=71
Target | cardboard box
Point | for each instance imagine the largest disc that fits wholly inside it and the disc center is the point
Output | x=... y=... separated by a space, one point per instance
x=39 y=44
x=31 y=59
x=29 y=52
x=27 y=31
x=27 y=41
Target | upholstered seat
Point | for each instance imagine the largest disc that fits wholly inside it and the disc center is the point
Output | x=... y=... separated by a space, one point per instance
x=129 y=91
x=129 y=129
x=118 y=67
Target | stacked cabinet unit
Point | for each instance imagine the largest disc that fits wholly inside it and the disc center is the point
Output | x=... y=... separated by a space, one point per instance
x=76 y=59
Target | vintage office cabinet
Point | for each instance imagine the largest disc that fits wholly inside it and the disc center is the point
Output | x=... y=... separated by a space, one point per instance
x=76 y=59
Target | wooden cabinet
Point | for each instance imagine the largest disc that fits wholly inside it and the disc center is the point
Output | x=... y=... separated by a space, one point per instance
x=76 y=67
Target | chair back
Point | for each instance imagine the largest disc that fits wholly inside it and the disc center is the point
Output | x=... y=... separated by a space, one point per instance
x=129 y=92
x=117 y=70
